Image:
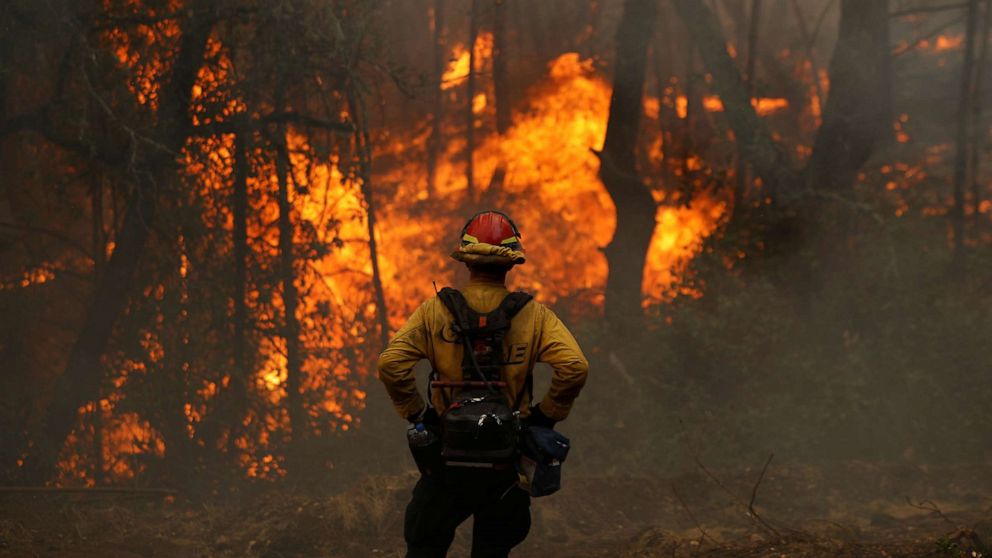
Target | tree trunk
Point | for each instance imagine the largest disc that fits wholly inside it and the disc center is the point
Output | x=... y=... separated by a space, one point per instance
x=810 y=54
x=753 y=25
x=364 y=149
x=667 y=117
x=754 y=141
x=174 y=372
x=978 y=130
x=99 y=248
x=434 y=142
x=688 y=146
x=659 y=86
x=377 y=418
x=473 y=34
x=741 y=174
x=290 y=299
x=635 y=207
x=80 y=382
x=961 y=141
x=501 y=99
x=240 y=375
x=857 y=114
x=501 y=79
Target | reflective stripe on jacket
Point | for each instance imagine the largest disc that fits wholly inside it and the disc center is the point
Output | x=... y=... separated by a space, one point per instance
x=536 y=335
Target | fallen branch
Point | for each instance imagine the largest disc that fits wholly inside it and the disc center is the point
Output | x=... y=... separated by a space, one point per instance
x=767 y=526
x=703 y=534
x=928 y=505
x=754 y=491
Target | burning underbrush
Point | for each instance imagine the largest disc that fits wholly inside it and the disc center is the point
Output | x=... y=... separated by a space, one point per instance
x=542 y=170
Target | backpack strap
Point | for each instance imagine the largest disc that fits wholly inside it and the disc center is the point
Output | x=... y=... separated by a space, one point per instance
x=514 y=303
x=465 y=318
x=455 y=302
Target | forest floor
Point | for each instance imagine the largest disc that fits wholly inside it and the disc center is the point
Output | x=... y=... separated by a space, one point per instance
x=854 y=509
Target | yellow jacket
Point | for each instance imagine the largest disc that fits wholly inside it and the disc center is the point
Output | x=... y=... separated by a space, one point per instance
x=536 y=335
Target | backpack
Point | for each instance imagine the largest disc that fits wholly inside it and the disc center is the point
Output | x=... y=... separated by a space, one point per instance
x=479 y=426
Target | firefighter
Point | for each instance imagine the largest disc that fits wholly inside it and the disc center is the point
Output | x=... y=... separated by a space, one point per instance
x=445 y=497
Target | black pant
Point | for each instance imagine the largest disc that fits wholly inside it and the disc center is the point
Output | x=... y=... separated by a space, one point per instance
x=442 y=502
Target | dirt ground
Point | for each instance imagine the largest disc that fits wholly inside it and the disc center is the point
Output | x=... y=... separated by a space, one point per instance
x=853 y=509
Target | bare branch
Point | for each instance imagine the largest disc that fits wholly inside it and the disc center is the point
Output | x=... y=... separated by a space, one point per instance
x=931 y=34
x=54 y=234
x=39 y=123
x=736 y=498
x=928 y=505
x=241 y=124
x=703 y=535
x=754 y=491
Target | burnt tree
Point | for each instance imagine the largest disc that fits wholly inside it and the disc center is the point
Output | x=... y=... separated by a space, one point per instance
x=241 y=374
x=978 y=131
x=290 y=301
x=857 y=113
x=437 y=92
x=501 y=94
x=635 y=207
x=473 y=34
x=741 y=172
x=965 y=98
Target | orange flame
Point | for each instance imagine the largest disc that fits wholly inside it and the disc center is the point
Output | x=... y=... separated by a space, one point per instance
x=549 y=183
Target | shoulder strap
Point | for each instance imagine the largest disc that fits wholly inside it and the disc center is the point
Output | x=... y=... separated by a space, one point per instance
x=455 y=302
x=514 y=303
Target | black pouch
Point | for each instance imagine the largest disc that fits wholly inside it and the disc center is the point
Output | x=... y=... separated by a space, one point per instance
x=542 y=451
x=479 y=427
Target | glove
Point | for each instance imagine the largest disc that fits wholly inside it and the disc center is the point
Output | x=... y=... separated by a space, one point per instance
x=538 y=418
x=428 y=417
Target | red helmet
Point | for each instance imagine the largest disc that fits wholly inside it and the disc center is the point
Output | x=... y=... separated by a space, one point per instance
x=491 y=227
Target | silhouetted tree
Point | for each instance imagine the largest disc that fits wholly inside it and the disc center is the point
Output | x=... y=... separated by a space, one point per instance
x=965 y=99
x=855 y=118
x=156 y=169
x=635 y=207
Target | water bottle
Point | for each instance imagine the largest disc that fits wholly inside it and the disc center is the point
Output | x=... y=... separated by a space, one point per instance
x=419 y=437
x=426 y=449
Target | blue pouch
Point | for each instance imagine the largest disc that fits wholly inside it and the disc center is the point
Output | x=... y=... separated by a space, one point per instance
x=542 y=451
